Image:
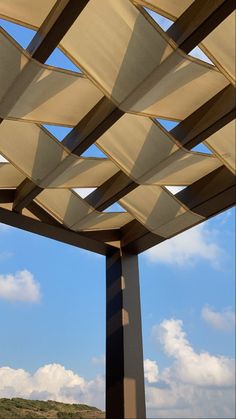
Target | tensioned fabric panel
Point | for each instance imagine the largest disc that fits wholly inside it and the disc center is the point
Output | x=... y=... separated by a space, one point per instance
x=223 y=143
x=85 y=173
x=171 y=8
x=12 y=62
x=141 y=69
x=10 y=177
x=76 y=213
x=220 y=45
x=116 y=46
x=116 y=50
x=103 y=221
x=113 y=65
x=43 y=159
x=21 y=11
x=151 y=155
x=158 y=210
x=195 y=83
x=50 y=96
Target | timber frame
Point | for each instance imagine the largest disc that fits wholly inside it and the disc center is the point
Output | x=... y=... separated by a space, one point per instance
x=203 y=197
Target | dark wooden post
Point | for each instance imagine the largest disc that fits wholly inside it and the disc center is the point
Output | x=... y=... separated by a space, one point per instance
x=125 y=396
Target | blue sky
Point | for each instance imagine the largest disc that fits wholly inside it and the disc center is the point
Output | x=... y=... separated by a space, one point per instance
x=52 y=314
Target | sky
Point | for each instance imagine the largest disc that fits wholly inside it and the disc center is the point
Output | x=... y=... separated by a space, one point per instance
x=52 y=312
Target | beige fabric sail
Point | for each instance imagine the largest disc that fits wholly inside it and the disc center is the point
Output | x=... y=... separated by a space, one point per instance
x=223 y=143
x=140 y=70
x=10 y=177
x=21 y=11
x=151 y=156
x=169 y=8
x=44 y=160
x=50 y=96
x=160 y=212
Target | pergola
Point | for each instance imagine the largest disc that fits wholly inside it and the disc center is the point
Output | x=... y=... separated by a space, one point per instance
x=132 y=73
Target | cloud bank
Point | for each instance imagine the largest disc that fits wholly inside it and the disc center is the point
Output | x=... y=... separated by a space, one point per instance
x=194 y=385
x=52 y=381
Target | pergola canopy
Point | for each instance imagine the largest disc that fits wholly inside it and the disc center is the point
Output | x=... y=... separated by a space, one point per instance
x=133 y=73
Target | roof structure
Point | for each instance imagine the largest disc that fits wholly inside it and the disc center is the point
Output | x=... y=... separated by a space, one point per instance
x=133 y=72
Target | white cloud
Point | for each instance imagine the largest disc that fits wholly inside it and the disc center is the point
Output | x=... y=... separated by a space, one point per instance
x=224 y=320
x=19 y=287
x=52 y=381
x=191 y=367
x=196 y=385
x=150 y=371
x=196 y=244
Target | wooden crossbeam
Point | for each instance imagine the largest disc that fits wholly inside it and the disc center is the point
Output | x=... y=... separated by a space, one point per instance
x=52 y=231
x=57 y=23
x=187 y=28
x=202 y=123
x=200 y=19
x=207 y=197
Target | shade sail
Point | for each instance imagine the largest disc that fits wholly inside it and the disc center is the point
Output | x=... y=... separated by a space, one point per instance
x=133 y=73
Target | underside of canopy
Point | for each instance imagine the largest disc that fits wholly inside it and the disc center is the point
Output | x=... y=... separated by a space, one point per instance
x=133 y=73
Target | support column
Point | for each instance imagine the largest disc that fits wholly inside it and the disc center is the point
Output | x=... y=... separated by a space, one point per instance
x=125 y=397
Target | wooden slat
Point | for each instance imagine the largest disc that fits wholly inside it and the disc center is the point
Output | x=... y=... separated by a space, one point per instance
x=200 y=19
x=54 y=27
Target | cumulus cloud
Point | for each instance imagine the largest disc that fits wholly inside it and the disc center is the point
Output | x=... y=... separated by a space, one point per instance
x=19 y=287
x=52 y=381
x=196 y=384
x=224 y=320
x=196 y=244
x=200 y=369
x=150 y=371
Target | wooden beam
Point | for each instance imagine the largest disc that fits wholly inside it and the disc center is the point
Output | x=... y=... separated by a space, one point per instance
x=111 y=191
x=105 y=114
x=125 y=396
x=24 y=195
x=53 y=29
x=80 y=138
x=97 y=121
x=205 y=121
x=198 y=21
x=7 y=196
x=55 y=232
x=207 y=197
x=202 y=123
